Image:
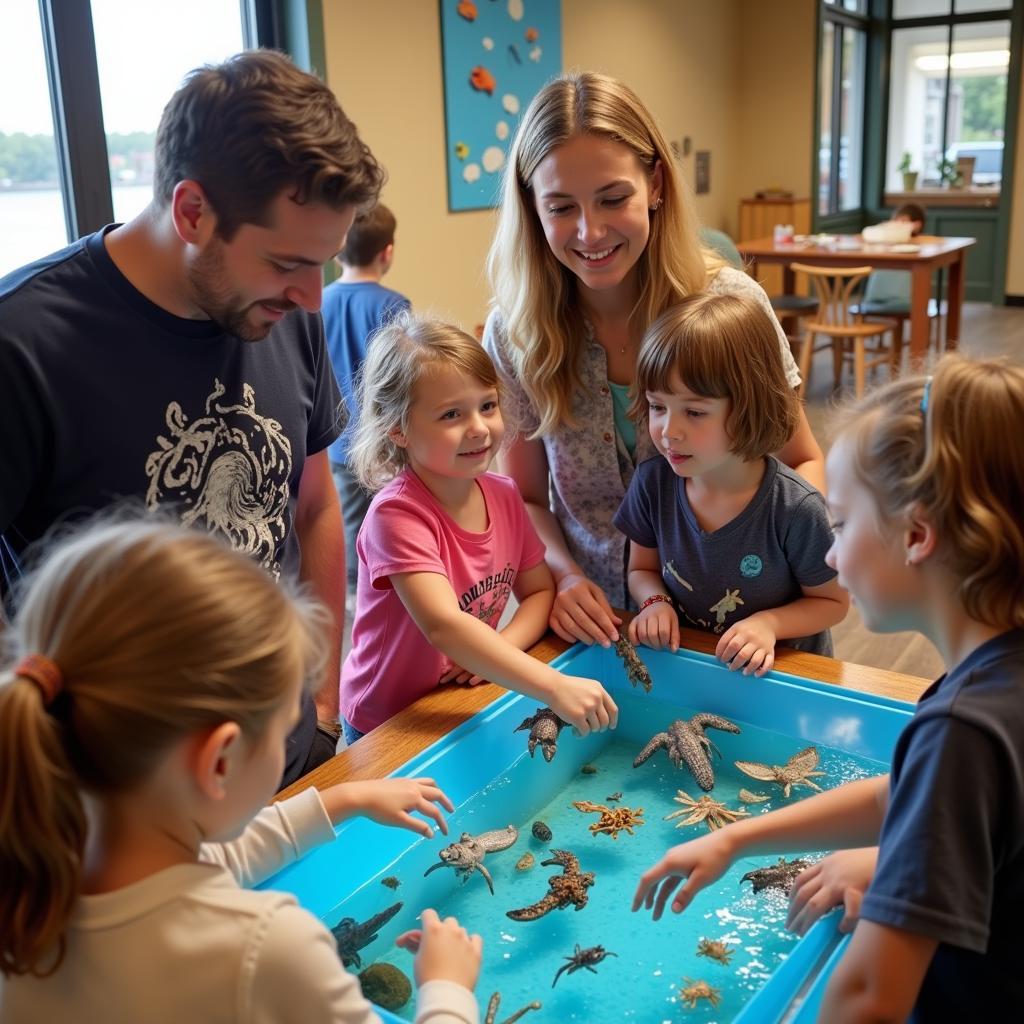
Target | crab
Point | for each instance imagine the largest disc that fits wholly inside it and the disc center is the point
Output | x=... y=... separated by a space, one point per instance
x=695 y=990
x=715 y=949
x=797 y=771
x=582 y=958
x=612 y=820
x=544 y=725
x=713 y=812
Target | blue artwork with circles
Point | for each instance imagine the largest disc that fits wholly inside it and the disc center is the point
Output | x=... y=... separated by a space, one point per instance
x=496 y=55
x=751 y=566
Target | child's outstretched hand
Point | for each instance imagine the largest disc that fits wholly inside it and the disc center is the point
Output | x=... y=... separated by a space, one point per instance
x=700 y=862
x=748 y=644
x=841 y=879
x=656 y=626
x=585 y=704
x=390 y=802
x=457 y=674
x=445 y=951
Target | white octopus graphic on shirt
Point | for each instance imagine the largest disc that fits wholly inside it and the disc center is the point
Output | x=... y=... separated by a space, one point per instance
x=227 y=470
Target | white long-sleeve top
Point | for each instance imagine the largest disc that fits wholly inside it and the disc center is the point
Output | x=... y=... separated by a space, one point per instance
x=190 y=945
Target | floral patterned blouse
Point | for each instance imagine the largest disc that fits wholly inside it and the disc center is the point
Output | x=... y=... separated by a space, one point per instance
x=588 y=464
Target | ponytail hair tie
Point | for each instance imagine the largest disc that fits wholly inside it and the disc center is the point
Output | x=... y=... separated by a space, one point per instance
x=44 y=672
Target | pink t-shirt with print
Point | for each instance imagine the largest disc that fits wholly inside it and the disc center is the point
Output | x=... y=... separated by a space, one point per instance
x=391 y=663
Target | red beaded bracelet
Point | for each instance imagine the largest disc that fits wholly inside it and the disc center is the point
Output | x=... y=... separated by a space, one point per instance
x=654 y=599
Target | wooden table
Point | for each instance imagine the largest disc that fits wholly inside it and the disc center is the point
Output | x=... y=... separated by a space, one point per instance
x=431 y=717
x=852 y=251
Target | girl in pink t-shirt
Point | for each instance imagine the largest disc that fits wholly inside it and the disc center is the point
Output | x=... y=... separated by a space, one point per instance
x=445 y=542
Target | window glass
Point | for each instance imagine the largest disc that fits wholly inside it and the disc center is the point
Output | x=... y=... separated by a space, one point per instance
x=919 y=8
x=825 y=117
x=851 y=119
x=32 y=220
x=143 y=51
x=977 y=98
x=968 y=6
x=917 y=96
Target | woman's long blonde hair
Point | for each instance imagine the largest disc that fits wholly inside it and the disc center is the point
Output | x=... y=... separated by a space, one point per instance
x=398 y=355
x=958 y=457
x=533 y=291
x=158 y=632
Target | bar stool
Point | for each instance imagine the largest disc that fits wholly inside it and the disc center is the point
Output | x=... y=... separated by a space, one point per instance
x=847 y=334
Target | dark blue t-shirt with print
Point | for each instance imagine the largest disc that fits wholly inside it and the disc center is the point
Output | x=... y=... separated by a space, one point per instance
x=759 y=560
x=951 y=857
x=106 y=396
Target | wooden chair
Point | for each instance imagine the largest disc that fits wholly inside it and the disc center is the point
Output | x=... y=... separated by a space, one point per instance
x=847 y=333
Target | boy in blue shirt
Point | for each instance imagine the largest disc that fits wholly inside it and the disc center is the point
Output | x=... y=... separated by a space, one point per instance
x=355 y=307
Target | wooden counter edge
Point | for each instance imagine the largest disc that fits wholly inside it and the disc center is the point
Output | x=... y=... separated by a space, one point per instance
x=388 y=747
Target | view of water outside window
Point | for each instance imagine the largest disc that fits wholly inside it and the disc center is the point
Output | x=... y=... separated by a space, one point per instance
x=31 y=207
x=977 y=66
x=143 y=53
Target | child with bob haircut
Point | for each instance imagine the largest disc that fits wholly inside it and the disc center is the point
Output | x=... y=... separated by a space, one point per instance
x=143 y=728
x=444 y=542
x=926 y=485
x=718 y=528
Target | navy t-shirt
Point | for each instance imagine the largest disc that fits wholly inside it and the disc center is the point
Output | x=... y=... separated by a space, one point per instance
x=759 y=560
x=104 y=395
x=951 y=859
x=352 y=311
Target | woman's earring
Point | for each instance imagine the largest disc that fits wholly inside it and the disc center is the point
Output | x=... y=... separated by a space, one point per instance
x=657 y=204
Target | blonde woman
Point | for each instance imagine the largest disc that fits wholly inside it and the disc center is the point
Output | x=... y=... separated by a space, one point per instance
x=597 y=237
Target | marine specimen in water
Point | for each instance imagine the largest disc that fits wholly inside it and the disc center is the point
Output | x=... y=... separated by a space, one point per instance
x=780 y=875
x=617 y=795
x=582 y=959
x=686 y=743
x=570 y=887
x=541 y=831
x=636 y=670
x=695 y=990
x=613 y=820
x=467 y=9
x=351 y=935
x=797 y=771
x=495 y=1002
x=531 y=35
x=482 y=80
x=525 y=862
x=713 y=812
x=589 y=769
x=392 y=882
x=746 y=797
x=715 y=949
x=461 y=150
x=467 y=855
x=544 y=725
x=385 y=985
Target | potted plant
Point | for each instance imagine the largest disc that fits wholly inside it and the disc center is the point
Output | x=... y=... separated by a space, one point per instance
x=949 y=173
x=909 y=176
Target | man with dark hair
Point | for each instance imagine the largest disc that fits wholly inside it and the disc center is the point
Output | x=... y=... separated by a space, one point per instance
x=180 y=358
x=354 y=308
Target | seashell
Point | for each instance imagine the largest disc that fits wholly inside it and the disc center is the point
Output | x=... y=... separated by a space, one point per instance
x=525 y=862
x=541 y=832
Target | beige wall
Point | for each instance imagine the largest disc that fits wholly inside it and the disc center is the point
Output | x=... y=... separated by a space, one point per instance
x=1015 y=256
x=681 y=56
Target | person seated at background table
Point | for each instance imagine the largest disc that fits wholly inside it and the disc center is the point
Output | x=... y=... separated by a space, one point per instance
x=718 y=528
x=597 y=236
x=353 y=308
x=925 y=496
x=888 y=291
x=444 y=542
x=143 y=729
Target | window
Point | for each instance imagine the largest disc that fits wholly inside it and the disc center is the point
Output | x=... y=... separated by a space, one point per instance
x=841 y=91
x=31 y=203
x=947 y=101
x=112 y=65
